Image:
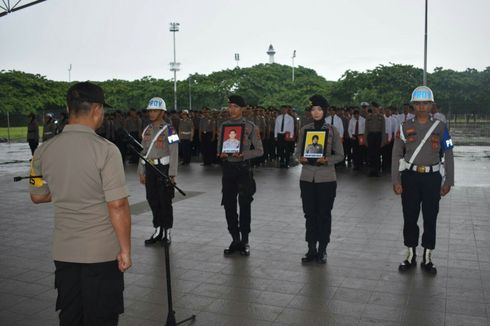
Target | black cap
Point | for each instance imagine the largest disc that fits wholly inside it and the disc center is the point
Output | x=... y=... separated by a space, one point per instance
x=318 y=100
x=86 y=92
x=236 y=99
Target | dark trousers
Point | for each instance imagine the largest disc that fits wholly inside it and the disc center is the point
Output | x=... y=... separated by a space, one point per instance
x=420 y=189
x=207 y=148
x=89 y=294
x=283 y=150
x=386 y=152
x=33 y=145
x=374 y=148
x=238 y=181
x=318 y=201
x=186 y=150
x=347 y=144
x=356 y=153
x=159 y=194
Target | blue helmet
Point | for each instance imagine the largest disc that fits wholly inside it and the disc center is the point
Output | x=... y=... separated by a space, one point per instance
x=422 y=94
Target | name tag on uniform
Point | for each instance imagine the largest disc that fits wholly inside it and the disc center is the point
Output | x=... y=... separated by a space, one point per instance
x=173 y=139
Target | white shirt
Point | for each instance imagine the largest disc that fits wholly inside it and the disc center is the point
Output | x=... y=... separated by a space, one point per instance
x=337 y=123
x=388 y=127
x=352 y=126
x=394 y=124
x=288 y=125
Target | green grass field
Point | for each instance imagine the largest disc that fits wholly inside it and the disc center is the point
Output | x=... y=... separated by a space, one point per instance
x=17 y=134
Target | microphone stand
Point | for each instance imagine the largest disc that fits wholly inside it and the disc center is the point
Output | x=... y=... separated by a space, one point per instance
x=171 y=321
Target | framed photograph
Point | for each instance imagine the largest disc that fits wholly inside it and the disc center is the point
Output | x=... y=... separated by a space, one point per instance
x=314 y=143
x=232 y=138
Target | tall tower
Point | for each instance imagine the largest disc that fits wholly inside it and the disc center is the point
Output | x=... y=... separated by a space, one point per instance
x=271 y=53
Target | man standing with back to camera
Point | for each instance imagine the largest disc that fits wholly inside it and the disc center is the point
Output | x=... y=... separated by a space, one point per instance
x=83 y=176
x=238 y=178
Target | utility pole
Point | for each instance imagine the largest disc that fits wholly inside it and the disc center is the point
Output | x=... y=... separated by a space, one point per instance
x=425 y=44
x=292 y=65
x=175 y=66
x=69 y=73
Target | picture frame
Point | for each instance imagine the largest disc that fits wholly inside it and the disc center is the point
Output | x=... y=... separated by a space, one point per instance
x=232 y=138
x=314 y=143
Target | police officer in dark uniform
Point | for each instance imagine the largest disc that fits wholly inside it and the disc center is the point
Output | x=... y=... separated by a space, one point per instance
x=237 y=178
x=416 y=174
x=318 y=183
x=160 y=146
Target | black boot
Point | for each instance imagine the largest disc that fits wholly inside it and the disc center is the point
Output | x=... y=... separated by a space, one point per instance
x=244 y=247
x=321 y=257
x=155 y=237
x=311 y=254
x=234 y=245
x=167 y=238
x=410 y=261
x=427 y=264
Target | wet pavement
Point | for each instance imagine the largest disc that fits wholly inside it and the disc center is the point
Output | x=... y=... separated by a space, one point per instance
x=359 y=285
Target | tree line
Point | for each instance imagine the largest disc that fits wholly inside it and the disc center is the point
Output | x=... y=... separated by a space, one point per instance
x=264 y=84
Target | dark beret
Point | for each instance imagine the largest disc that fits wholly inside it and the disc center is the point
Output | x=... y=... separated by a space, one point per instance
x=318 y=100
x=236 y=99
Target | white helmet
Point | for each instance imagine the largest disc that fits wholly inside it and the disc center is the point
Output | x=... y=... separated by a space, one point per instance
x=422 y=94
x=157 y=103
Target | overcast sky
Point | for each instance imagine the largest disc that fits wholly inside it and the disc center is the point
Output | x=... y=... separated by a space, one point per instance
x=123 y=39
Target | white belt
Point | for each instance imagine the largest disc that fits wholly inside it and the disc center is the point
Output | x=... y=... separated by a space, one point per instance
x=162 y=160
x=424 y=168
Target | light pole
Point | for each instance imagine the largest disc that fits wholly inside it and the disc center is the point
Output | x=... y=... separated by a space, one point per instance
x=190 y=94
x=292 y=65
x=175 y=66
x=69 y=73
x=237 y=58
x=425 y=44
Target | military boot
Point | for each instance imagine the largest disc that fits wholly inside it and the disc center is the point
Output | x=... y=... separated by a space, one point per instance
x=167 y=238
x=321 y=257
x=311 y=254
x=155 y=237
x=234 y=245
x=410 y=261
x=244 y=247
x=427 y=264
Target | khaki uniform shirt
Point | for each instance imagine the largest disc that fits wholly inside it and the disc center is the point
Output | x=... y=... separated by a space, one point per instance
x=206 y=125
x=83 y=172
x=408 y=138
x=375 y=123
x=162 y=147
x=322 y=173
x=251 y=137
x=186 y=129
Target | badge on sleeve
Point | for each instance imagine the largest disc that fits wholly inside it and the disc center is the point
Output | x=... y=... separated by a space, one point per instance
x=173 y=137
x=36 y=182
x=446 y=141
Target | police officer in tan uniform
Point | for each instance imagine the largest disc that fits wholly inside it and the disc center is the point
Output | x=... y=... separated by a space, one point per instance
x=318 y=182
x=238 y=178
x=83 y=176
x=160 y=147
x=375 y=131
x=420 y=145
x=186 y=135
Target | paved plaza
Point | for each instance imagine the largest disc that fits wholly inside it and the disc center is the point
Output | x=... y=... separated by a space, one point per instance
x=359 y=285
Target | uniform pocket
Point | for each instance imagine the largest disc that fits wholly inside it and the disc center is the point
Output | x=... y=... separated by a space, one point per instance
x=110 y=301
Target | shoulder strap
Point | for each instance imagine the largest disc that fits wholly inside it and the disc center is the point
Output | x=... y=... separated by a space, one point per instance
x=417 y=150
x=154 y=140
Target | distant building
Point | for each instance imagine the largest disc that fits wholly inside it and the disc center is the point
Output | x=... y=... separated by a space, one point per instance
x=271 y=53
